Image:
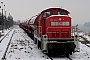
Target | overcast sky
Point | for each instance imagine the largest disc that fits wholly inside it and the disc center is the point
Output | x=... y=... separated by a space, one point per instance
x=24 y=9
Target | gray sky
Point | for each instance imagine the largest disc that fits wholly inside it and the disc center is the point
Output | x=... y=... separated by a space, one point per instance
x=24 y=9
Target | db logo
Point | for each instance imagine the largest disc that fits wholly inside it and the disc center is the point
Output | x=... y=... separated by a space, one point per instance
x=60 y=23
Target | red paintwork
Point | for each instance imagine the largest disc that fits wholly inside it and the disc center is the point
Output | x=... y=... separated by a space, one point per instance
x=61 y=31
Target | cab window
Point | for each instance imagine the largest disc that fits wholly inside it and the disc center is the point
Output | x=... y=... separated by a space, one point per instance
x=47 y=14
x=61 y=13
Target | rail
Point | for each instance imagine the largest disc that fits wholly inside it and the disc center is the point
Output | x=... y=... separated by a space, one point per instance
x=64 y=57
x=4 y=36
x=3 y=58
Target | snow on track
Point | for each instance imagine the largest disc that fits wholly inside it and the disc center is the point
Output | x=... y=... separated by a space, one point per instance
x=4 y=43
x=84 y=53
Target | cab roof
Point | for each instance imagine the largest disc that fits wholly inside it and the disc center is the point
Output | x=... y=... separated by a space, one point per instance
x=55 y=8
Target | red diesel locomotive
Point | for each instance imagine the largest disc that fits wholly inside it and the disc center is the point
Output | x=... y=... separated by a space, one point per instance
x=52 y=31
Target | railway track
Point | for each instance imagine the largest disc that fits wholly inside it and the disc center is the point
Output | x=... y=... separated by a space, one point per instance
x=85 y=41
x=3 y=58
x=4 y=36
x=59 y=58
x=64 y=58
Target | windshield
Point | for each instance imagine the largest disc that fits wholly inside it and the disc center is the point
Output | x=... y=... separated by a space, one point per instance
x=61 y=13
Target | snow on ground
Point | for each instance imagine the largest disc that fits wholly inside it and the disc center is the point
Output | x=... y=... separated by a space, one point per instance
x=84 y=53
x=87 y=37
x=22 y=47
x=84 y=35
